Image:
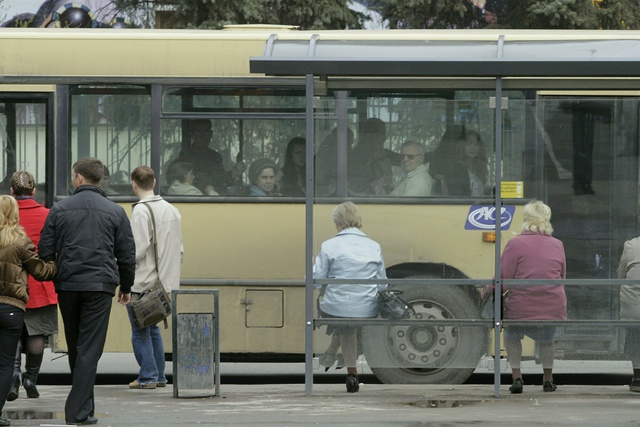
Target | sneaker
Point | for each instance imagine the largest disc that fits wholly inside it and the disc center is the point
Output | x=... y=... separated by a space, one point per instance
x=635 y=385
x=517 y=386
x=549 y=386
x=147 y=386
x=161 y=384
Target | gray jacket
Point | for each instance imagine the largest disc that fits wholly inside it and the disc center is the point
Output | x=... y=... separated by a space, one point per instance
x=629 y=268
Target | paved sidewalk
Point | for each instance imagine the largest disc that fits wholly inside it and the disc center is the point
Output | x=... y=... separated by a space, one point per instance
x=374 y=405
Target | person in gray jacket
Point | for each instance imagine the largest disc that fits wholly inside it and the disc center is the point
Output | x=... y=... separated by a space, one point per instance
x=349 y=255
x=90 y=238
x=629 y=268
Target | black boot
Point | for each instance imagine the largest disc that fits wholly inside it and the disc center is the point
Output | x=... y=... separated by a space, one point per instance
x=16 y=380
x=352 y=383
x=15 y=387
x=30 y=377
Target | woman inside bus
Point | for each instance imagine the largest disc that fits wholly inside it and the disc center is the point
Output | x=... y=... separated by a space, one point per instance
x=292 y=182
x=533 y=254
x=181 y=177
x=19 y=258
x=459 y=164
x=349 y=255
x=262 y=174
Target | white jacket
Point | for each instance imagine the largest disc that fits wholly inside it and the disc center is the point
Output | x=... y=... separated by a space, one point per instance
x=350 y=255
x=169 y=238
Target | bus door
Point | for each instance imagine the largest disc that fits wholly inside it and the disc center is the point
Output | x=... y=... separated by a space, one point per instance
x=26 y=132
x=590 y=177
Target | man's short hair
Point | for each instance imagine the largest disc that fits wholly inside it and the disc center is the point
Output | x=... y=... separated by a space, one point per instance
x=144 y=177
x=90 y=168
x=22 y=183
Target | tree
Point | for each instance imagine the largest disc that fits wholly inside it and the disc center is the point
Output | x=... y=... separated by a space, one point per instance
x=214 y=14
x=525 y=14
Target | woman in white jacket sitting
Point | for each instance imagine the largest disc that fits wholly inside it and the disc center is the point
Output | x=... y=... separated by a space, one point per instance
x=348 y=255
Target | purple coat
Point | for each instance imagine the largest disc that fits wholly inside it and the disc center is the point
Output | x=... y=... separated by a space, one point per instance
x=534 y=256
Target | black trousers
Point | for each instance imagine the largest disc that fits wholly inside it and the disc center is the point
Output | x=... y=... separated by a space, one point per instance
x=11 y=321
x=86 y=318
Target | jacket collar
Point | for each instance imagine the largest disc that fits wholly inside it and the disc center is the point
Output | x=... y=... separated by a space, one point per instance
x=153 y=198
x=28 y=203
x=352 y=230
x=90 y=187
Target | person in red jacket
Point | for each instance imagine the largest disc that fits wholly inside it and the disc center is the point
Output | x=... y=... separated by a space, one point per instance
x=41 y=317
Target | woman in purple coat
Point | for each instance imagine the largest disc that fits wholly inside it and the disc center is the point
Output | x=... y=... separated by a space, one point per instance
x=534 y=254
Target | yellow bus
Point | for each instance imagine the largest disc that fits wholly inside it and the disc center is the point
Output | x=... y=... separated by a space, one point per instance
x=567 y=133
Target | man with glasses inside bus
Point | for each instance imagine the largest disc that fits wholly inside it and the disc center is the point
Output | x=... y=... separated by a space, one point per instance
x=417 y=181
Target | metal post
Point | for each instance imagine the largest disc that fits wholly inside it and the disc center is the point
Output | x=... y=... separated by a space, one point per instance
x=498 y=215
x=309 y=186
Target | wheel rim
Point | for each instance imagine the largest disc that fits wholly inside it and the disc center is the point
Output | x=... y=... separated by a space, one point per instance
x=424 y=348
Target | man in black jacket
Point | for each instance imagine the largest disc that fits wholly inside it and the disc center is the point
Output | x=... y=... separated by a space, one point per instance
x=90 y=238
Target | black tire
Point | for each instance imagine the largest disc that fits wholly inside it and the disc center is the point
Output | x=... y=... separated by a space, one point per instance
x=428 y=354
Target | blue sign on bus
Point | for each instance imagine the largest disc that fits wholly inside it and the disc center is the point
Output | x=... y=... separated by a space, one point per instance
x=484 y=218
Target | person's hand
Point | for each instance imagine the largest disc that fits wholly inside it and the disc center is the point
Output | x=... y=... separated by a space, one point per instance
x=487 y=290
x=123 y=298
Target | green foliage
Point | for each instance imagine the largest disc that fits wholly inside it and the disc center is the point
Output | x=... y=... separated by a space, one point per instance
x=524 y=14
x=214 y=14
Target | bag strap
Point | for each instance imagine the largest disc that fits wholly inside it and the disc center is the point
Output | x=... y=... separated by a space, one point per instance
x=153 y=236
x=155 y=248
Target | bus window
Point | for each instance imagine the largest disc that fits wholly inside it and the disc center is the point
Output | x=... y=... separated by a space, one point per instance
x=411 y=145
x=23 y=132
x=228 y=131
x=114 y=126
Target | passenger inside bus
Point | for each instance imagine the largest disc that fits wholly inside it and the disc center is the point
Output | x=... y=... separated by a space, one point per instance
x=292 y=182
x=370 y=163
x=208 y=165
x=181 y=178
x=105 y=184
x=262 y=174
x=459 y=164
x=417 y=182
x=327 y=161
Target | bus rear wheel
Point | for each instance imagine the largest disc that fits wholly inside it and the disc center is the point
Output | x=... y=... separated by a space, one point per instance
x=425 y=354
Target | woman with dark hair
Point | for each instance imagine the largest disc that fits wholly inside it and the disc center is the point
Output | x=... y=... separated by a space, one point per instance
x=19 y=259
x=459 y=164
x=41 y=316
x=292 y=182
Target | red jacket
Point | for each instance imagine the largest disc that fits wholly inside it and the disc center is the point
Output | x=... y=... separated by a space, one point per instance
x=32 y=217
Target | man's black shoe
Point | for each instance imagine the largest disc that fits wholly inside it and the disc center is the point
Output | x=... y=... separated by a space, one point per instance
x=88 y=421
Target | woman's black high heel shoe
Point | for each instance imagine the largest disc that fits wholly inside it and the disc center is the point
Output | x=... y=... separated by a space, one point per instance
x=352 y=383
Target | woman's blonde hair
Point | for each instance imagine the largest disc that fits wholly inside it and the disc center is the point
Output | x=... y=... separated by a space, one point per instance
x=347 y=215
x=537 y=217
x=10 y=229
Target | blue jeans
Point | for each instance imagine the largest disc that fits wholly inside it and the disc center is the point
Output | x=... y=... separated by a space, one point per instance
x=149 y=352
